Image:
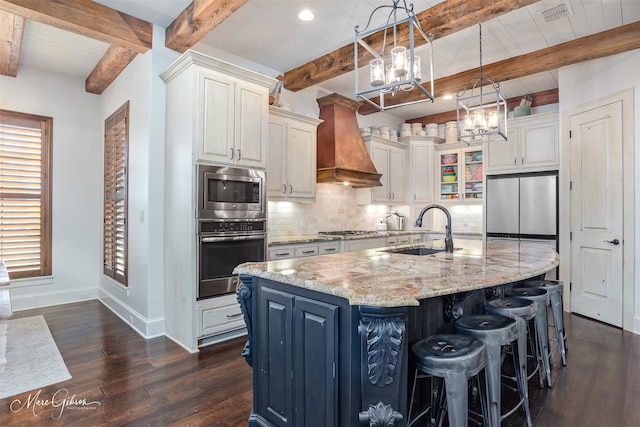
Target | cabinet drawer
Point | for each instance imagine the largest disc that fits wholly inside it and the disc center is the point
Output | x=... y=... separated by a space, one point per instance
x=416 y=238
x=403 y=240
x=304 y=251
x=219 y=318
x=281 y=253
x=329 y=248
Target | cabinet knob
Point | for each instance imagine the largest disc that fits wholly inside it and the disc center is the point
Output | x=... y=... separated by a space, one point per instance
x=239 y=154
x=284 y=188
x=231 y=156
x=290 y=188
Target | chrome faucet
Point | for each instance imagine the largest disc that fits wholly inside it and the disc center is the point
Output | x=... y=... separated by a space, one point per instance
x=448 y=240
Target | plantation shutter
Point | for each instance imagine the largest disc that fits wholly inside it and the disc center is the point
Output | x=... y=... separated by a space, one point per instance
x=25 y=205
x=116 y=147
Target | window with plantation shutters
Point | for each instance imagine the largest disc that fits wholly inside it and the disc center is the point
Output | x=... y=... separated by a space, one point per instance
x=25 y=194
x=116 y=148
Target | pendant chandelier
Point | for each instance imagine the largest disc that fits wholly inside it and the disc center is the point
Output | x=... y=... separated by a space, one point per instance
x=481 y=110
x=393 y=67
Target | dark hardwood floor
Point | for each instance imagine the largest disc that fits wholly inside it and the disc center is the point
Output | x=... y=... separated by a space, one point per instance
x=156 y=383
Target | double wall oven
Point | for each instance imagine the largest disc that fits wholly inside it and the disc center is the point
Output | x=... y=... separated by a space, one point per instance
x=231 y=225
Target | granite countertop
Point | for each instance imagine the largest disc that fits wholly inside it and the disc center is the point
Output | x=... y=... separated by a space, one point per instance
x=308 y=238
x=374 y=277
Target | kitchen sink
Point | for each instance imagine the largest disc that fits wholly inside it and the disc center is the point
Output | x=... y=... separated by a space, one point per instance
x=416 y=251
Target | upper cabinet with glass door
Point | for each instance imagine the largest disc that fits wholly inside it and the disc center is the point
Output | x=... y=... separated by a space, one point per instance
x=460 y=174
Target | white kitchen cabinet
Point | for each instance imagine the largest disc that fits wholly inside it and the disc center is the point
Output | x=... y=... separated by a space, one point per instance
x=300 y=250
x=329 y=248
x=459 y=173
x=389 y=158
x=291 y=165
x=220 y=315
x=401 y=239
x=420 y=164
x=281 y=252
x=198 y=88
x=532 y=145
x=233 y=120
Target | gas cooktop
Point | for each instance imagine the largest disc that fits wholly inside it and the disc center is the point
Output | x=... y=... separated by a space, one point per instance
x=347 y=233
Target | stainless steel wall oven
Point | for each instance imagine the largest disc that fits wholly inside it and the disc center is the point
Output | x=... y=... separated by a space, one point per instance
x=231 y=225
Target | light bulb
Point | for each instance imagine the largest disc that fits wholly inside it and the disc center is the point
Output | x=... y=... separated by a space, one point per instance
x=399 y=61
x=376 y=69
x=493 y=120
x=468 y=123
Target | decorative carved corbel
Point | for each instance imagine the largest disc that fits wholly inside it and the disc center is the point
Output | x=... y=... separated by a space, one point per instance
x=380 y=415
x=244 y=294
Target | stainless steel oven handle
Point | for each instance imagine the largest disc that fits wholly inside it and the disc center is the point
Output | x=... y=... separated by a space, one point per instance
x=233 y=237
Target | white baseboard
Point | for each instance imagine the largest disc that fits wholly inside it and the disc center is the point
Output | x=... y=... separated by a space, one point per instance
x=48 y=299
x=636 y=325
x=147 y=328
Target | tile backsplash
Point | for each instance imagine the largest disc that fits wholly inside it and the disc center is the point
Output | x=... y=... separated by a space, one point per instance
x=336 y=209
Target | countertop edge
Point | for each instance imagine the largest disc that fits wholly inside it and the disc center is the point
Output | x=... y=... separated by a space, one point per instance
x=410 y=287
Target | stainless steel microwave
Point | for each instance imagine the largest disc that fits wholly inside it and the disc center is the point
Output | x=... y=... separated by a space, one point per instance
x=228 y=192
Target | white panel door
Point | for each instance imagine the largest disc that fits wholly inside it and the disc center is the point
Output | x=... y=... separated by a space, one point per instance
x=596 y=213
x=277 y=154
x=216 y=121
x=396 y=174
x=302 y=161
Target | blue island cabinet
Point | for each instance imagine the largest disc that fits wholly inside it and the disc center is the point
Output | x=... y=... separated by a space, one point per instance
x=318 y=361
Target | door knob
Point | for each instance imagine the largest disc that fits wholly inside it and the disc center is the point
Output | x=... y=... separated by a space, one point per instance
x=614 y=241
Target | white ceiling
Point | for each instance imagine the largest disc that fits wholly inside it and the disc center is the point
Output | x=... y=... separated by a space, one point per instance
x=268 y=32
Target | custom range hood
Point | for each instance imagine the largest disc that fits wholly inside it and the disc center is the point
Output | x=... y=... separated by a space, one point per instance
x=342 y=157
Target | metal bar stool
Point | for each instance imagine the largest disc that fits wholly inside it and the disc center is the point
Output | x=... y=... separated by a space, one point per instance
x=496 y=331
x=522 y=311
x=541 y=298
x=455 y=358
x=555 y=289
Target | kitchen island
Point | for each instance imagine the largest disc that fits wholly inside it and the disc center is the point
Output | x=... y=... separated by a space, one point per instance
x=329 y=336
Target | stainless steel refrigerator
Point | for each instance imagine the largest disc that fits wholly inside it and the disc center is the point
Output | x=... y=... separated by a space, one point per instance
x=523 y=207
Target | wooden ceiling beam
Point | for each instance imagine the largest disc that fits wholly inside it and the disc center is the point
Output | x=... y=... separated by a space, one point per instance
x=112 y=63
x=11 y=32
x=545 y=97
x=86 y=18
x=200 y=17
x=610 y=42
x=126 y=35
x=442 y=20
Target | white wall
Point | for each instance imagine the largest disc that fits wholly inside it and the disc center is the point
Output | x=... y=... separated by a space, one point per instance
x=77 y=184
x=142 y=302
x=592 y=80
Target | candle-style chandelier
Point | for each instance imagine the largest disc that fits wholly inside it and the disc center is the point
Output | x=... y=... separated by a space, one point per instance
x=481 y=110
x=393 y=67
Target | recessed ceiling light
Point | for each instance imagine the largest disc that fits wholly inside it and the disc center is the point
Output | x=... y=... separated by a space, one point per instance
x=306 y=15
x=447 y=97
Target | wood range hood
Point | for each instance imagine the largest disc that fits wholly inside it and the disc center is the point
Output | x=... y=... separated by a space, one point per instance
x=342 y=156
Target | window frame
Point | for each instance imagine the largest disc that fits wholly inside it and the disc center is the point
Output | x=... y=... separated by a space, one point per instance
x=46 y=184
x=110 y=268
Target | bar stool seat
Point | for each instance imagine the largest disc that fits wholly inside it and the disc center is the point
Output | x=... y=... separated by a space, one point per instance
x=541 y=339
x=555 y=289
x=522 y=311
x=497 y=331
x=455 y=358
